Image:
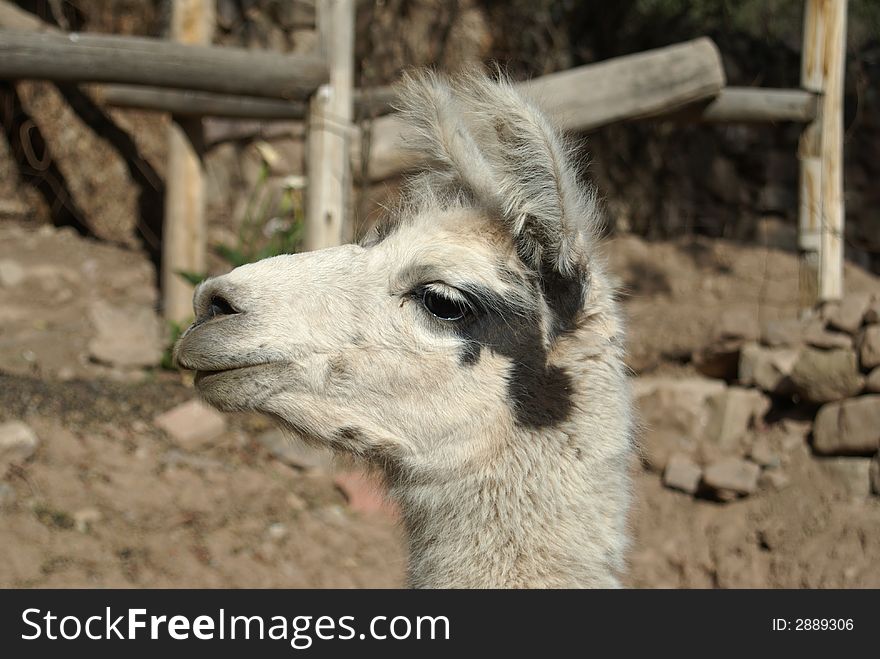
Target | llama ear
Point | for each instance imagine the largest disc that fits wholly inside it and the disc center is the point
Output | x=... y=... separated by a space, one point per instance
x=553 y=216
x=488 y=139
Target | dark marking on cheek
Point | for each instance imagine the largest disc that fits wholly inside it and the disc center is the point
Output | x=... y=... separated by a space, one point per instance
x=564 y=294
x=541 y=397
x=540 y=393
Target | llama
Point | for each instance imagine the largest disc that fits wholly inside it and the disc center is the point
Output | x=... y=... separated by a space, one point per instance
x=470 y=348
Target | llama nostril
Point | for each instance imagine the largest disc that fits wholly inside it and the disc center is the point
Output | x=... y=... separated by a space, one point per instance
x=219 y=306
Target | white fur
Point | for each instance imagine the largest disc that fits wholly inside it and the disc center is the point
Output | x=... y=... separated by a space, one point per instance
x=337 y=345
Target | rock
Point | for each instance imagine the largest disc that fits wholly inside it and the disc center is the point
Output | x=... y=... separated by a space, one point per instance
x=794 y=442
x=676 y=404
x=872 y=382
x=7 y=495
x=192 y=423
x=17 y=443
x=127 y=336
x=869 y=347
x=874 y=475
x=85 y=519
x=774 y=479
x=732 y=476
x=847 y=316
x=659 y=444
x=769 y=369
x=732 y=413
x=782 y=333
x=682 y=473
x=819 y=337
x=718 y=360
x=11 y=273
x=797 y=429
x=14 y=209
x=872 y=315
x=853 y=474
x=295 y=452
x=851 y=427
x=737 y=324
x=822 y=376
x=761 y=454
x=277 y=531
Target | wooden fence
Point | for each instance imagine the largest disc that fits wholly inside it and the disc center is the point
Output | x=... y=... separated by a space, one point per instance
x=191 y=79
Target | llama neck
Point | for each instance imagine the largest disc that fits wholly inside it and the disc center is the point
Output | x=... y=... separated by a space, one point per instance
x=548 y=514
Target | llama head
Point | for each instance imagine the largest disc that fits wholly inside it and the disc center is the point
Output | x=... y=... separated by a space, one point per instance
x=445 y=322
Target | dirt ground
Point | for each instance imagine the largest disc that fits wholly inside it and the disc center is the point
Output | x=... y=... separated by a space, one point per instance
x=108 y=500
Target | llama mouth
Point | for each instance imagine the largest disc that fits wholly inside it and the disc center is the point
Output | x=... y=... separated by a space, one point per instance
x=244 y=387
x=203 y=375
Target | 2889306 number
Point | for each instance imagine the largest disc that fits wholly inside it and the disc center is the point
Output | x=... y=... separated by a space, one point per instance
x=823 y=624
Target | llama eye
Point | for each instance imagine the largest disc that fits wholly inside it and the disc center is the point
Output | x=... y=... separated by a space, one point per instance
x=443 y=307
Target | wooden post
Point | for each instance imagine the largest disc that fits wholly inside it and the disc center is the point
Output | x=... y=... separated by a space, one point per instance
x=831 y=249
x=809 y=155
x=330 y=131
x=821 y=221
x=183 y=247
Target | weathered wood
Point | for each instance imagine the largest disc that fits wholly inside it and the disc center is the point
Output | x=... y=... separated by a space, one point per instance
x=200 y=104
x=813 y=48
x=374 y=101
x=184 y=244
x=78 y=58
x=753 y=104
x=219 y=130
x=733 y=104
x=330 y=131
x=645 y=84
x=809 y=155
x=371 y=102
x=831 y=250
x=810 y=208
x=820 y=151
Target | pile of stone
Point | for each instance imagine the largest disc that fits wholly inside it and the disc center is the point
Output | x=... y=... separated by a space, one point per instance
x=708 y=436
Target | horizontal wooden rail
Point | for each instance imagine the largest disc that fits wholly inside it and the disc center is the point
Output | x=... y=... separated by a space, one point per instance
x=80 y=58
x=645 y=84
x=200 y=104
x=754 y=104
x=368 y=102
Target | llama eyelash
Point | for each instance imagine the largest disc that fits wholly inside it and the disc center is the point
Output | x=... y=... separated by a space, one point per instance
x=457 y=303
